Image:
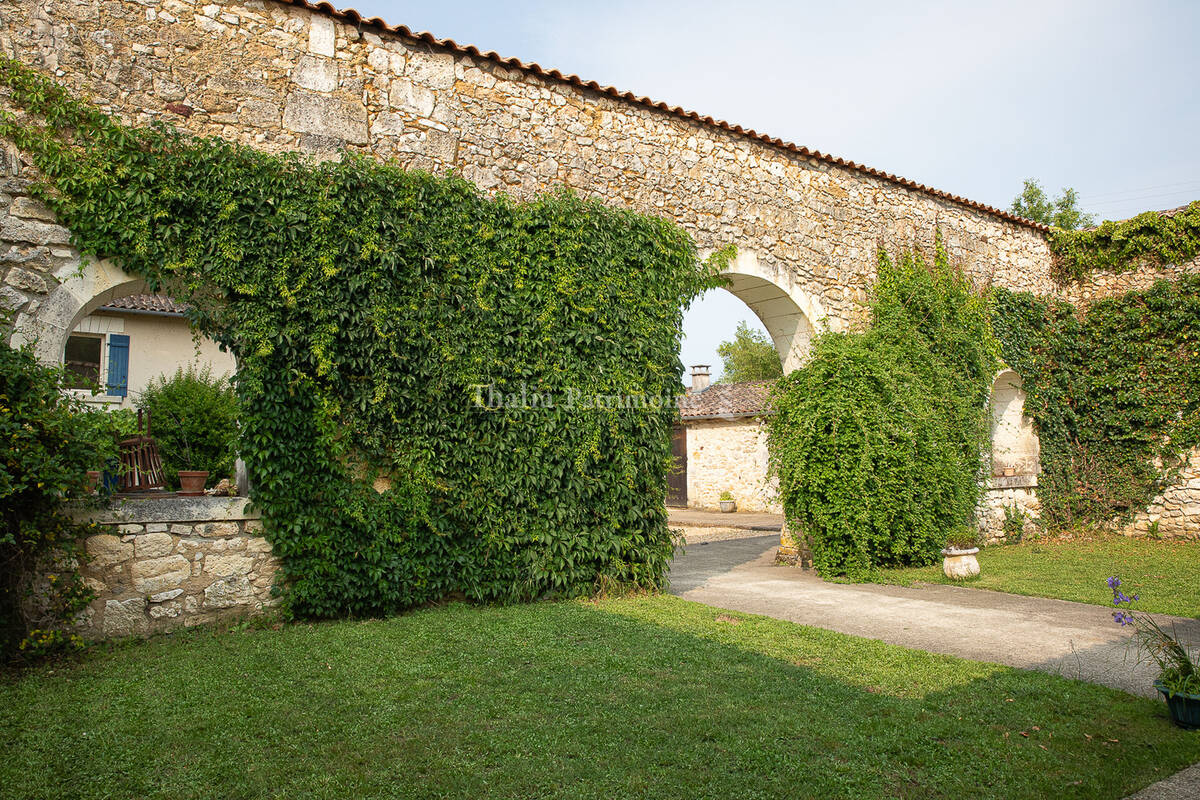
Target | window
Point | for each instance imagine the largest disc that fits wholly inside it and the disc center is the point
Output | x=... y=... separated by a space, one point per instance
x=82 y=360
x=87 y=365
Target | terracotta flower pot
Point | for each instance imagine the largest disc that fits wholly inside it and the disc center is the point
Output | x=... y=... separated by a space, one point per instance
x=958 y=564
x=191 y=482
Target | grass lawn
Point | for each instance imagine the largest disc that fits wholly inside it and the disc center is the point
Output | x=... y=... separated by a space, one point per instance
x=1165 y=574
x=634 y=697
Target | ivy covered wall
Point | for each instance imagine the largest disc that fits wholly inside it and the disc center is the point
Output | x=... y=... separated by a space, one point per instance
x=442 y=393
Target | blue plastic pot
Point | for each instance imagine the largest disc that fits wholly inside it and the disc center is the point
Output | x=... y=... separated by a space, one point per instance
x=1183 y=708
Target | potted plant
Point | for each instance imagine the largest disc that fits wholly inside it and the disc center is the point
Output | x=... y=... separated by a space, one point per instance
x=1178 y=678
x=959 y=560
x=728 y=504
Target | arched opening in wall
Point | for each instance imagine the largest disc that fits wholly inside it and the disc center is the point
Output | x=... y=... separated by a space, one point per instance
x=1015 y=444
x=721 y=446
x=110 y=332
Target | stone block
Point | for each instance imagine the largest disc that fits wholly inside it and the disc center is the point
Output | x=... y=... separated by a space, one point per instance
x=229 y=592
x=159 y=574
x=322 y=36
x=225 y=566
x=152 y=545
x=125 y=617
x=326 y=115
x=317 y=74
x=167 y=611
x=11 y=299
x=157 y=527
x=435 y=70
x=163 y=597
x=29 y=208
x=15 y=229
x=212 y=530
x=29 y=281
x=106 y=550
x=407 y=95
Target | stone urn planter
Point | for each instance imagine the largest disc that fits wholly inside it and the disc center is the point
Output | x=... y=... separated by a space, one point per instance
x=1183 y=708
x=191 y=482
x=960 y=563
x=728 y=506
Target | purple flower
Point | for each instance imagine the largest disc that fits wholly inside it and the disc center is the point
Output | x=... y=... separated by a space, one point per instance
x=1114 y=582
x=1122 y=618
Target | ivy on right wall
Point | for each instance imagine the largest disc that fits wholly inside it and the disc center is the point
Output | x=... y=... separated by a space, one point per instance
x=1114 y=393
x=1150 y=238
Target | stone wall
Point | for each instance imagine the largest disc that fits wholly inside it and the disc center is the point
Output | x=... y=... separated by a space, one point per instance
x=1017 y=492
x=729 y=455
x=281 y=77
x=1175 y=512
x=175 y=562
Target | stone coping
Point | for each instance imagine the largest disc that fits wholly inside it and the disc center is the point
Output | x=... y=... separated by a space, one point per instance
x=169 y=508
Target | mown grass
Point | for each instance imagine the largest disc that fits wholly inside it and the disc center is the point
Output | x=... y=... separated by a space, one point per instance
x=634 y=697
x=1165 y=574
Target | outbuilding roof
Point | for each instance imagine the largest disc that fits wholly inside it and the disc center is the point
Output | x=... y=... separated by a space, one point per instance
x=145 y=303
x=727 y=400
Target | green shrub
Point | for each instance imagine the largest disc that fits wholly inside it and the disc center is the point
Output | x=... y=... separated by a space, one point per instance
x=194 y=420
x=48 y=443
x=878 y=440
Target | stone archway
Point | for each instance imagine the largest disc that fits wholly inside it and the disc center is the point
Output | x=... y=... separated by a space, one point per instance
x=791 y=315
x=82 y=288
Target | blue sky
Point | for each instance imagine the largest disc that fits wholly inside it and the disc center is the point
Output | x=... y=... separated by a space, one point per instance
x=967 y=97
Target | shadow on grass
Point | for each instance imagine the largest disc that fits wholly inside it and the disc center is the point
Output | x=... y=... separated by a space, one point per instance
x=647 y=697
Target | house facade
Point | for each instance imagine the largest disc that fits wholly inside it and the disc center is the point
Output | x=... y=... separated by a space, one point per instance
x=128 y=342
x=721 y=446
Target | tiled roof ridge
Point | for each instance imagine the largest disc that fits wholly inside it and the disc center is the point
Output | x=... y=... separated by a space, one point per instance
x=159 y=303
x=354 y=17
x=727 y=400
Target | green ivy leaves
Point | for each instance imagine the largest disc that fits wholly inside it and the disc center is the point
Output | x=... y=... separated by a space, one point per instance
x=878 y=440
x=365 y=304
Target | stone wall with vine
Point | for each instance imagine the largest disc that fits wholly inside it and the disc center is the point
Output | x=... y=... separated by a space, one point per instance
x=281 y=77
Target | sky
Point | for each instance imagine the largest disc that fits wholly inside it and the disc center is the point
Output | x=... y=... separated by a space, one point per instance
x=967 y=97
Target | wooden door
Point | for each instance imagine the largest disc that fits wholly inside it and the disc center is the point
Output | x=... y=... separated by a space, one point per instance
x=677 y=478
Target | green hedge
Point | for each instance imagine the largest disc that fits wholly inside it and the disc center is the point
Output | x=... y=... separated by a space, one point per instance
x=367 y=306
x=878 y=439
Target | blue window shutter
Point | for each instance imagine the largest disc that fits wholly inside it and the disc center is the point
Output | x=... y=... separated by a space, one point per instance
x=118 y=364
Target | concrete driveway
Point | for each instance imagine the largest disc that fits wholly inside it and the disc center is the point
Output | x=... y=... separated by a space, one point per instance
x=1071 y=639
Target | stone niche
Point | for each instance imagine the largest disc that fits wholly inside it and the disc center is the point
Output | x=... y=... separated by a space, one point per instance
x=171 y=562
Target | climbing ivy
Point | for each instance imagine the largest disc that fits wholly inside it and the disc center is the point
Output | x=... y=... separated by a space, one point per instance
x=440 y=392
x=1151 y=237
x=1114 y=394
x=879 y=439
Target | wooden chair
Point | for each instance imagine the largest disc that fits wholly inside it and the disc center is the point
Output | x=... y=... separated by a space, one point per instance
x=141 y=466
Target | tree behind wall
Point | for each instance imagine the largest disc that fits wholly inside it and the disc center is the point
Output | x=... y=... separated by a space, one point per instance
x=1060 y=212
x=749 y=356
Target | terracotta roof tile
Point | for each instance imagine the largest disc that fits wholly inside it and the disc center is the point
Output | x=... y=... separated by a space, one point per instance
x=145 y=302
x=353 y=17
x=722 y=400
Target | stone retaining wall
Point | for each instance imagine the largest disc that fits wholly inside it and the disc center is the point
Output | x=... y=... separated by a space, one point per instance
x=1001 y=494
x=173 y=562
x=1175 y=512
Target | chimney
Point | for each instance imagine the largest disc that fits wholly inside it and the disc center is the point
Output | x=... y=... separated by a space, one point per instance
x=699 y=377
